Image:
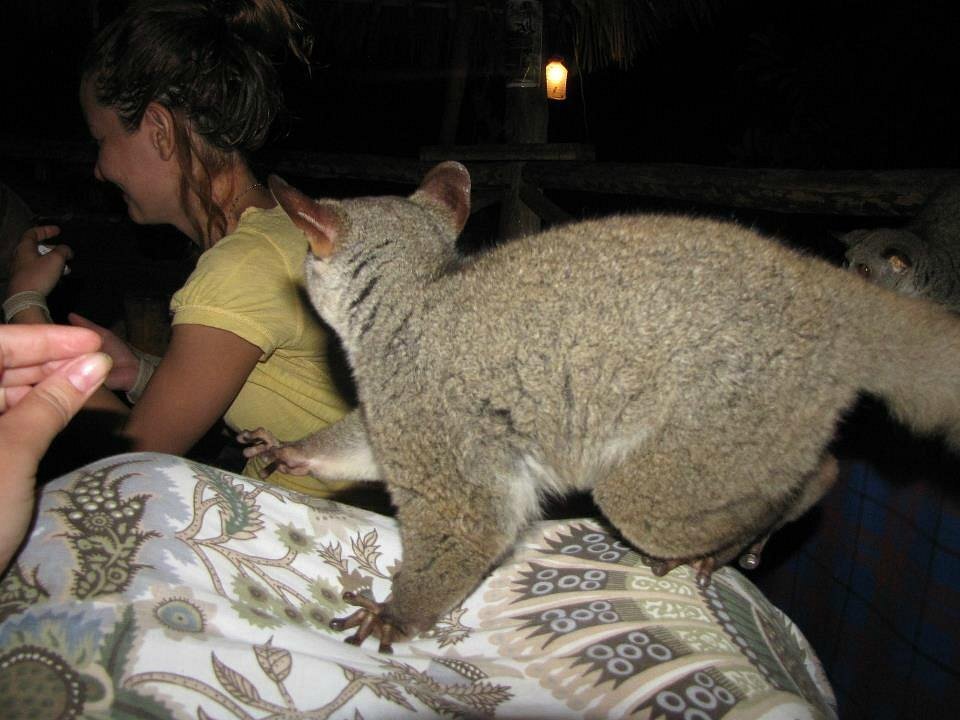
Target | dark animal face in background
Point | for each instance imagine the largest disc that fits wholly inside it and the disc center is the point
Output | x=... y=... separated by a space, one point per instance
x=884 y=257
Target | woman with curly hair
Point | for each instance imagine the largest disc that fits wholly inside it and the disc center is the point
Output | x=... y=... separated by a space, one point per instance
x=177 y=94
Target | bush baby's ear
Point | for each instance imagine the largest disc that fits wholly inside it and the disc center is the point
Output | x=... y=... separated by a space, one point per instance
x=898 y=260
x=851 y=237
x=447 y=186
x=322 y=222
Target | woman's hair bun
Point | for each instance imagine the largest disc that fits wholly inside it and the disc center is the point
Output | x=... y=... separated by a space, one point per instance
x=273 y=26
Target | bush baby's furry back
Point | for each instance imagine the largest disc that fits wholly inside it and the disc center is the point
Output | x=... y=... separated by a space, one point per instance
x=689 y=373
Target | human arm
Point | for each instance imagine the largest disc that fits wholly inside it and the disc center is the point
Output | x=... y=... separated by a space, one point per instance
x=198 y=379
x=205 y=366
x=31 y=272
x=240 y=305
x=46 y=374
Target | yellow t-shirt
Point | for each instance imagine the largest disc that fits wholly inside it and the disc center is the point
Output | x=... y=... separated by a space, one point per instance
x=251 y=284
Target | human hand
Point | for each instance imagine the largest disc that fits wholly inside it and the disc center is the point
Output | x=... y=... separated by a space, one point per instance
x=29 y=270
x=126 y=364
x=47 y=373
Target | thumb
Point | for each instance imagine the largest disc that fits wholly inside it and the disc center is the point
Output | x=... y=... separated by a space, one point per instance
x=36 y=419
x=64 y=250
x=26 y=431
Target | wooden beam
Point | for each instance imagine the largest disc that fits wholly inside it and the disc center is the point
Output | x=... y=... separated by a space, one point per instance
x=354 y=167
x=26 y=148
x=853 y=193
x=872 y=193
x=478 y=6
x=378 y=168
x=545 y=208
x=508 y=152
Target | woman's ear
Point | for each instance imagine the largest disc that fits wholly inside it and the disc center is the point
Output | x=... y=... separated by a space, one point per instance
x=159 y=123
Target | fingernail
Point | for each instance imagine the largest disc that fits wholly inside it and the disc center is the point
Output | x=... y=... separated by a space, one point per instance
x=88 y=371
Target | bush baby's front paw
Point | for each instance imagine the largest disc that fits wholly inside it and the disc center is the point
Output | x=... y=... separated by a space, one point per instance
x=373 y=618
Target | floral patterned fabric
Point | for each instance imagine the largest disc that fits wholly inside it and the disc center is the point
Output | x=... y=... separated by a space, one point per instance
x=154 y=587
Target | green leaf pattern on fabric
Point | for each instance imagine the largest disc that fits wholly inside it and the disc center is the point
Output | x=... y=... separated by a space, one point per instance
x=195 y=593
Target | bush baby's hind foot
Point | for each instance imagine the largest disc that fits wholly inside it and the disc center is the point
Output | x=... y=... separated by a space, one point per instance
x=750 y=558
x=815 y=485
x=704 y=567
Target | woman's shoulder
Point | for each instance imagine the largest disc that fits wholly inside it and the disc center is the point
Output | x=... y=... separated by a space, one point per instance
x=271 y=224
x=264 y=238
x=249 y=282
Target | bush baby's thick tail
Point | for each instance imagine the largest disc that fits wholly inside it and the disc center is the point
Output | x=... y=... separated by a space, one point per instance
x=915 y=366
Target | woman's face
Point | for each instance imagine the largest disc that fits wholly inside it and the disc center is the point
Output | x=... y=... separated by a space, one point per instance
x=134 y=161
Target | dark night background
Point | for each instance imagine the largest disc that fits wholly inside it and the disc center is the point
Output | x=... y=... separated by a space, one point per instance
x=834 y=85
x=817 y=85
x=821 y=84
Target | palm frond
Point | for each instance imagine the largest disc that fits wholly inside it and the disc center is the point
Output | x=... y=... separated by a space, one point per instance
x=616 y=32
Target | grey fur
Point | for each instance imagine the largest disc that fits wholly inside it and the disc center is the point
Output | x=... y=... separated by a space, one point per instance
x=689 y=372
x=922 y=259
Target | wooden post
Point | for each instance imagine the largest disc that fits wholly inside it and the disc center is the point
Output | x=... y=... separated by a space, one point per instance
x=525 y=105
x=459 y=63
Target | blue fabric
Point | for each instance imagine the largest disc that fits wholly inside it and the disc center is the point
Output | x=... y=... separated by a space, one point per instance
x=873 y=581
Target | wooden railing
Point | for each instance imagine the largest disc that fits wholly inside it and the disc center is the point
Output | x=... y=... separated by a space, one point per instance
x=533 y=171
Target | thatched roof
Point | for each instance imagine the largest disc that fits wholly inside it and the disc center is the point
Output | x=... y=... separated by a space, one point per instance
x=596 y=33
x=418 y=34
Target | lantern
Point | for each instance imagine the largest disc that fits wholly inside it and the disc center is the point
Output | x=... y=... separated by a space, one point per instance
x=556 y=74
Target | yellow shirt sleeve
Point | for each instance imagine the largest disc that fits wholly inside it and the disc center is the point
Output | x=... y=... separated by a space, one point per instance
x=251 y=284
x=244 y=284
